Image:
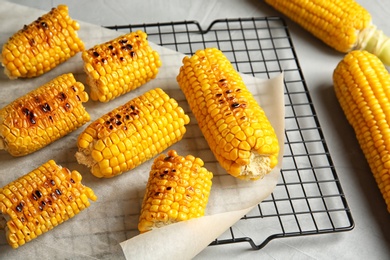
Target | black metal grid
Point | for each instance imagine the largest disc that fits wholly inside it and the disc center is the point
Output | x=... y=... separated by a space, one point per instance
x=308 y=198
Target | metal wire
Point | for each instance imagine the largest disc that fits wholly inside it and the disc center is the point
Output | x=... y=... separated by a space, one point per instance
x=309 y=198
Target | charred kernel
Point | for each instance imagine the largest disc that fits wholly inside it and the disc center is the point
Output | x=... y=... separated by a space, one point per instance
x=72 y=181
x=52 y=182
x=121 y=59
x=169 y=188
x=110 y=47
x=50 y=118
x=25 y=111
x=228 y=91
x=104 y=60
x=108 y=122
x=34 y=197
x=58 y=192
x=46 y=107
x=111 y=127
x=118 y=122
x=222 y=80
x=235 y=105
x=127 y=117
x=132 y=54
x=123 y=41
x=43 y=203
x=32 y=120
x=129 y=47
x=62 y=96
x=67 y=105
x=218 y=95
x=19 y=207
x=44 y=25
x=38 y=193
x=96 y=54
x=118 y=116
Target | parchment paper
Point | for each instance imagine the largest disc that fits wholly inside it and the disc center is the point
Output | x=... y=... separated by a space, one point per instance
x=108 y=228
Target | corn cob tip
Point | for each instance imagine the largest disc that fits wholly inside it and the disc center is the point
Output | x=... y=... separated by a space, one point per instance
x=376 y=42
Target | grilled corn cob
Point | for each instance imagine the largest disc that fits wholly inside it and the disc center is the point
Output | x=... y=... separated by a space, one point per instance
x=131 y=134
x=362 y=86
x=42 y=116
x=342 y=24
x=40 y=200
x=178 y=189
x=119 y=66
x=234 y=125
x=41 y=45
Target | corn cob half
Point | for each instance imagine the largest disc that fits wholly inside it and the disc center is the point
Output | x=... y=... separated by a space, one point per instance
x=234 y=125
x=342 y=24
x=362 y=87
x=178 y=189
x=131 y=134
x=120 y=65
x=40 y=200
x=42 y=116
x=41 y=45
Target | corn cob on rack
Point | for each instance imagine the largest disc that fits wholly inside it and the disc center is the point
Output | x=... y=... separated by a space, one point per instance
x=178 y=189
x=362 y=86
x=119 y=66
x=342 y=24
x=131 y=134
x=234 y=125
x=40 y=200
x=42 y=116
x=41 y=45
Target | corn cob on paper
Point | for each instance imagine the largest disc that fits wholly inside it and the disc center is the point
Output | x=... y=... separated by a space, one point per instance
x=108 y=228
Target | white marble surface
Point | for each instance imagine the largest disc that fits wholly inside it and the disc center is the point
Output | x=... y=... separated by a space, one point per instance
x=370 y=239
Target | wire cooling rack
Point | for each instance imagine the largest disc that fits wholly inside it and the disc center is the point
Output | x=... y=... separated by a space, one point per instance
x=308 y=198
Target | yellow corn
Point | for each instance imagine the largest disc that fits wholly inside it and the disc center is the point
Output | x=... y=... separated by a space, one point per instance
x=41 y=45
x=131 y=134
x=119 y=66
x=362 y=86
x=42 y=116
x=40 y=200
x=178 y=189
x=342 y=24
x=234 y=125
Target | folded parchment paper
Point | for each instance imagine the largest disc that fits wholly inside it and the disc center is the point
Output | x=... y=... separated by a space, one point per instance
x=108 y=228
